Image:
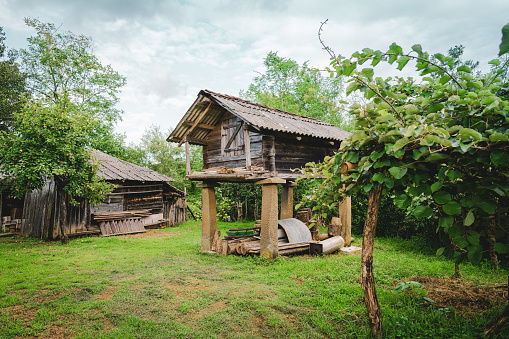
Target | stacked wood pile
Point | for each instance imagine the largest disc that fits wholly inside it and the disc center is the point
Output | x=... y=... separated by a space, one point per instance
x=9 y=225
x=126 y=222
x=250 y=244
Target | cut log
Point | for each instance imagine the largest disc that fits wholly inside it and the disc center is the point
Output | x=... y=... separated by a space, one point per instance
x=326 y=246
x=334 y=227
x=322 y=237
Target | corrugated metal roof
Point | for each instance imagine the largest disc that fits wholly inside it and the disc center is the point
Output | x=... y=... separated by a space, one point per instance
x=116 y=169
x=260 y=116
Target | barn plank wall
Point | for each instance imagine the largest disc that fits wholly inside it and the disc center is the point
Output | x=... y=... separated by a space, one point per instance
x=213 y=155
x=43 y=214
x=175 y=211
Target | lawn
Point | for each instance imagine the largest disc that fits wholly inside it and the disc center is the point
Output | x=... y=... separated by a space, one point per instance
x=159 y=285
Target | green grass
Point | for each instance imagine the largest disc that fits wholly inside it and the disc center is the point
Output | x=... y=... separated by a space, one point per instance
x=163 y=287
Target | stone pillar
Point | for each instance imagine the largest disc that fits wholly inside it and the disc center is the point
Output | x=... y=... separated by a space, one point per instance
x=287 y=200
x=345 y=214
x=268 y=233
x=209 y=217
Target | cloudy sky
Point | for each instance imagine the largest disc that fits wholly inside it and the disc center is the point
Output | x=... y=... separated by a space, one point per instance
x=170 y=49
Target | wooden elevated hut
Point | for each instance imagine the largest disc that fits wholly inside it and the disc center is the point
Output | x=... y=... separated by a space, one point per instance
x=142 y=198
x=247 y=142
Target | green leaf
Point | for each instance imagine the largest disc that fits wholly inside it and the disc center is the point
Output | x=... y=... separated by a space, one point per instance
x=445 y=221
x=398 y=172
x=452 y=208
x=488 y=206
x=473 y=239
x=461 y=242
x=464 y=69
x=402 y=61
x=475 y=256
x=350 y=88
x=495 y=62
x=417 y=48
x=470 y=132
x=444 y=79
x=380 y=176
x=402 y=201
x=400 y=144
x=392 y=58
x=504 y=45
x=436 y=186
x=348 y=69
x=458 y=257
x=376 y=155
x=422 y=212
x=440 y=251
x=499 y=157
x=397 y=49
x=368 y=72
x=497 y=136
x=442 y=197
x=501 y=248
x=469 y=219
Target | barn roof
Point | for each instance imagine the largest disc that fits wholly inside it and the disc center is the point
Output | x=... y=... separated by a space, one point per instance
x=116 y=169
x=208 y=108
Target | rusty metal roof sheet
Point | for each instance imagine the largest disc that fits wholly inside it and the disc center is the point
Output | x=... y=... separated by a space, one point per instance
x=116 y=169
x=259 y=116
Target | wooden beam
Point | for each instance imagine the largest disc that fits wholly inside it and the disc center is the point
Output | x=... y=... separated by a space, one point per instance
x=188 y=158
x=193 y=141
x=204 y=126
x=247 y=147
x=196 y=123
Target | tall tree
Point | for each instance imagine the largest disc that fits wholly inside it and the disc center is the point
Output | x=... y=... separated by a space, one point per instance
x=62 y=65
x=12 y=85
x=298 y=89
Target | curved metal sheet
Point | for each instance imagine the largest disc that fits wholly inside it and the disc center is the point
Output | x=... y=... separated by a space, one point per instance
x=296 y=230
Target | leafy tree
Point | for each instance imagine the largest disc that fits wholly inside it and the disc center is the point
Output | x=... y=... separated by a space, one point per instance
x=49 y=141
x=298 y=89
x=456 y=54
x=62 y=65
x=156 y=153
x=442 y=141
x=12 y=85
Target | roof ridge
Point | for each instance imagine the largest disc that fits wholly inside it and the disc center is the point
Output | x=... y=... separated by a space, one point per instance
x=267 y=107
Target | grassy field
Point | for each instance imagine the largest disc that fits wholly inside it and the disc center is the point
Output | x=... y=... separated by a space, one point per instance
x=159 y=285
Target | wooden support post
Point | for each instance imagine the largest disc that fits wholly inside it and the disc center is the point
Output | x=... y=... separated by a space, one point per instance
x=268 y=232
x=209 y=218
x=247 y=147
x=345 y=214
x=188 y=158
x=287 y=200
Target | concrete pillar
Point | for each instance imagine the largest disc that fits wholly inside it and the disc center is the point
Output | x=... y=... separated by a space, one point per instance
x=345 y=214
x=287 y=200
x=268 y=232
x=209 y=217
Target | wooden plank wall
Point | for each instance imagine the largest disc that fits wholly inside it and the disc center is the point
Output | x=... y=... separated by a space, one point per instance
x=213 y=155
x=291 y=153
x=43 y=213
x=175 y=211
x=125 y=197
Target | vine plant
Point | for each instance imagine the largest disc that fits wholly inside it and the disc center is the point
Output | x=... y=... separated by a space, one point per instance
x=441 y=140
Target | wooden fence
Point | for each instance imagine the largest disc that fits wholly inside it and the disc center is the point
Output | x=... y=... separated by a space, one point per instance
x=175 y=211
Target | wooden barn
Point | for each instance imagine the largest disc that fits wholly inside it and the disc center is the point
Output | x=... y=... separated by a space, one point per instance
x=142 y=198
x=247 y=142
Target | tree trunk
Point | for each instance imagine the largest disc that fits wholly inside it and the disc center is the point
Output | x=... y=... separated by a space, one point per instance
x=492 y=241
x=367 y=276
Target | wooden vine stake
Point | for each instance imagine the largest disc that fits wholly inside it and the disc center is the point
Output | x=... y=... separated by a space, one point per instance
x=367 y=274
